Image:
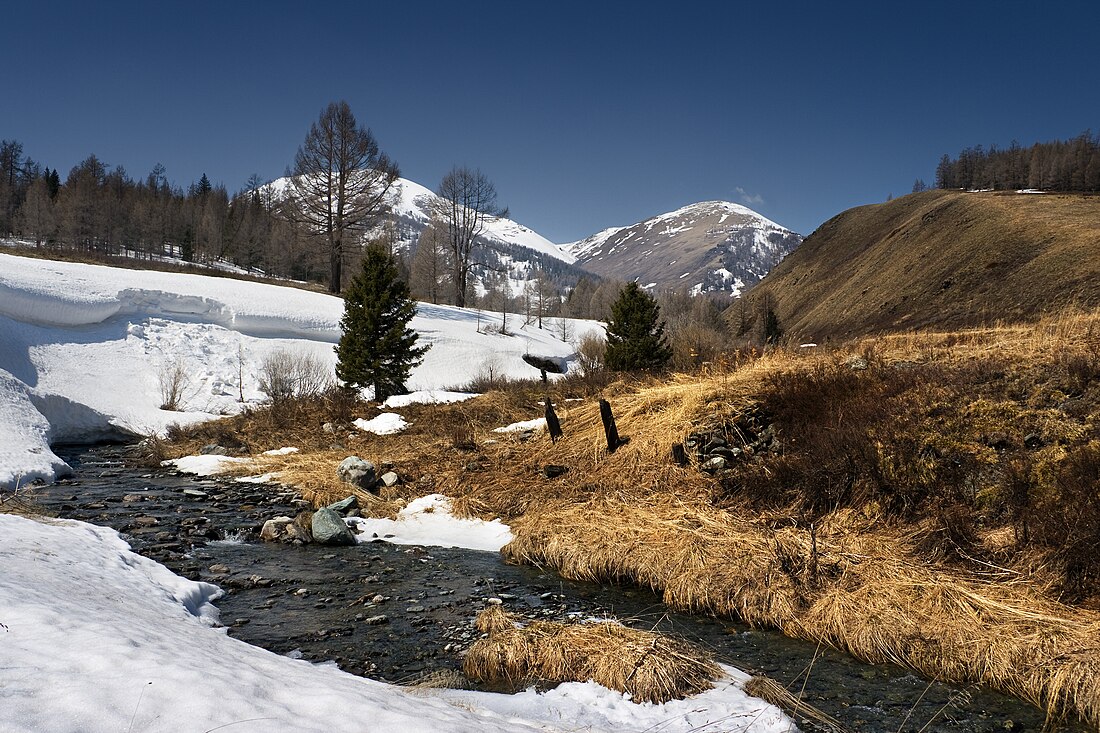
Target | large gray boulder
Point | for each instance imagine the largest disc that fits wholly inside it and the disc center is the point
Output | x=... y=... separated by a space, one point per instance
x=357 y=472
x=329 y=529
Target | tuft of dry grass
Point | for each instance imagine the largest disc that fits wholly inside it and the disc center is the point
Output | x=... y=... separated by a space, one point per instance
x=649 y=667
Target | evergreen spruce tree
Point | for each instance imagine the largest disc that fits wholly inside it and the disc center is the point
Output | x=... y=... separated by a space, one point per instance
x=635 y=335
x=377 y=348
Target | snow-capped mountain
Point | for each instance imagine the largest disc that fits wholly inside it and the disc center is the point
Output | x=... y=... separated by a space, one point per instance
x=504 y=246
x=708 y=247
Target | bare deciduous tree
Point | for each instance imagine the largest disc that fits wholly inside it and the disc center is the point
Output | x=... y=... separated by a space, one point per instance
x=340 y=181
x=467 y=200
x=430 y=267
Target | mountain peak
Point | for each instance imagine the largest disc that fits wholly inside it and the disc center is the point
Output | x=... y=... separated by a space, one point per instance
x=705 y=247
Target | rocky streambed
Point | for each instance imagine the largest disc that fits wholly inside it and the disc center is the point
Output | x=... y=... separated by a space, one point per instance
x=405 y=613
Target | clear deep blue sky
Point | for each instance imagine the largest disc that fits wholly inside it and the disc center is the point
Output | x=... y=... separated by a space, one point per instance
x=585 y=115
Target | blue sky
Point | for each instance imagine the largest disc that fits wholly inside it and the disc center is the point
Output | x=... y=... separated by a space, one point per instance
x=585 y=115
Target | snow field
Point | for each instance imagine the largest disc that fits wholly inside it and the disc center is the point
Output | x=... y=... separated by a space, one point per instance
x=98 y=639
x=88 y=348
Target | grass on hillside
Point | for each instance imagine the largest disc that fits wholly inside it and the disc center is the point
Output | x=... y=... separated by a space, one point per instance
x=940 y=259
x=927 y=499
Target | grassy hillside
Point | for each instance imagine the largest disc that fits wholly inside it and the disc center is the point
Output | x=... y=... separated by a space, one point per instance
x=940 y=258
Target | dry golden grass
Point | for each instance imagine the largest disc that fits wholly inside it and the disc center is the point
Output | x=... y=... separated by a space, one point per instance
x=860 y=580
x=649 y=666
x=940 y=259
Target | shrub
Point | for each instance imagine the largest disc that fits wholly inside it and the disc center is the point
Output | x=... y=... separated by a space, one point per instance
x=288 y=374
x=174 y=383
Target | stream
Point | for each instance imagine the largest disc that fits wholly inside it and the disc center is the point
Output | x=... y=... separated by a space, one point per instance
x=401 y=613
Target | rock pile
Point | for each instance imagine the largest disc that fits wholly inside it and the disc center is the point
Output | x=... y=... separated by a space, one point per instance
x=718 y=448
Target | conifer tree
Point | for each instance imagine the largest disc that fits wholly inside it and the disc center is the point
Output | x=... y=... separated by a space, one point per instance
x=635 y=333
x=377 y=348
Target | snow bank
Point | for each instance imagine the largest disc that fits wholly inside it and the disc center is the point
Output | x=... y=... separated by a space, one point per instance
x=428 y=397
x=98 y=639
x=429 y=521
x=387 y=423
x=86 y=346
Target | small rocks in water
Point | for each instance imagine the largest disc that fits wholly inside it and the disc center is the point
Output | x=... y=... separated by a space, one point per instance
x=302 y=592
x=414 y=609
x=329 y=529
x=131 y=498
x=195 y=493
x=344 y=505
x=219 y=569
x=357 y=472
x=145 y=521
x=376 y=620
x=390 y=479
x=379 y=598
x=494 y=601
x=213 y=450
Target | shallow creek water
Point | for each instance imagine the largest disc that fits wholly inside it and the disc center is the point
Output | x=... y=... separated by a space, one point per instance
x=398 y=613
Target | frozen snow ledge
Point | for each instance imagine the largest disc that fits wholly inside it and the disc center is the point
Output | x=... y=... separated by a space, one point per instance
x=25 y=453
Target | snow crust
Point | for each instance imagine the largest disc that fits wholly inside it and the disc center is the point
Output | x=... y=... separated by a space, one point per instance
x=83 y=349
x=429 y=521
x=204 y=465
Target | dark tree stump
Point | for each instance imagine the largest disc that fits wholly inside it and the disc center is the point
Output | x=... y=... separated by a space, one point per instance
x=552 y=423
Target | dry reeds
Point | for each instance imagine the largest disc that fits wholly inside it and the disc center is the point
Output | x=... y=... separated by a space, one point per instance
x=649 y=667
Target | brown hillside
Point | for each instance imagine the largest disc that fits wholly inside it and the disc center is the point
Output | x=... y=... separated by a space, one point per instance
x=943 y=258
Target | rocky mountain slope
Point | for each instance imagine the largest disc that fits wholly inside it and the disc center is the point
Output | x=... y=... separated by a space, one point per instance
x=708 y=247
x=944 y=259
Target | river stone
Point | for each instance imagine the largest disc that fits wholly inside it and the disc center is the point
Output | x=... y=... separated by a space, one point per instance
x=389 y=478
x=329 y=529
x=354 y=470
x=275 y=529
x=345 y=505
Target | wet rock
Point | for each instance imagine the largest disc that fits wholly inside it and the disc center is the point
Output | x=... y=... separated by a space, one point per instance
x=376 y=620
x=275 y=530
x=195 y=493
x=219 y=569
x=357 y=472
x=301 y=529
x=329 y=529
x=145 y=521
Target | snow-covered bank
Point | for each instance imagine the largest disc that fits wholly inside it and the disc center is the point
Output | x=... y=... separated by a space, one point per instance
x=96 y=638
x=83 y=348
